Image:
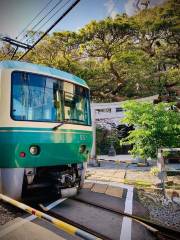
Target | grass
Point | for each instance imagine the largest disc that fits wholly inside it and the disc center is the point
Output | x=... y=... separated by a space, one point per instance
x=138 y=183
x=174 y=186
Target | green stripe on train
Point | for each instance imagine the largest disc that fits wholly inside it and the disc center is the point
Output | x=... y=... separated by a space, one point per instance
x=56 y=147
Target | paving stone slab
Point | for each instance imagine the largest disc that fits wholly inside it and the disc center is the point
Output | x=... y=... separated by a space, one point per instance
x=140 y=176
x=118 y=180
x=88 y=185
x=99 y=188
x=114 y=191
x=27 y=231
x=119 y=174
x=105 y=179
x=93 y=177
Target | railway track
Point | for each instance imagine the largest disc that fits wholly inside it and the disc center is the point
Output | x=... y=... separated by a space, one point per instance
x=99 y=216
x=108 y=220
x=153 y=227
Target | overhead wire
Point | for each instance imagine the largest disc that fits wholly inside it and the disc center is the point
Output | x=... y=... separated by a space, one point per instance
x=46 y=32
x=51 y=27
x=37 y=15
x=11 y=50
x=49 y=19
x=14 y=52
x=113 y=8
x=44 y=16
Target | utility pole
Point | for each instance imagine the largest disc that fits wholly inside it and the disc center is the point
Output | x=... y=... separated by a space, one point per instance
x=93 y=157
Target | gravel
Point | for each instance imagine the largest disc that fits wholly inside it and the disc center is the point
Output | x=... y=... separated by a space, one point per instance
x=162 y=210
x=8 y=213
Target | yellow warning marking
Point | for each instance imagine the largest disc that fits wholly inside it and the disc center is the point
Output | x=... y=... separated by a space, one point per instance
x=65 y=226
x=114 y=191
x=39 y=214
x=99 y=188
x=62 y=225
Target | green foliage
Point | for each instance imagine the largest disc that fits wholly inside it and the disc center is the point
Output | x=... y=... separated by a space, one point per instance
x=154 y=171
x=102 y=145
x=122 y=57
x=104 y=138
x=156 y=126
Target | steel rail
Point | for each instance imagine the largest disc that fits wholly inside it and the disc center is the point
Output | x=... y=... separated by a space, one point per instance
x=153 y=227
x=66 y=227
x=76 y=224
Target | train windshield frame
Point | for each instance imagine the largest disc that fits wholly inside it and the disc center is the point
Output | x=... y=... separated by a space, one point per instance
x=40 y=98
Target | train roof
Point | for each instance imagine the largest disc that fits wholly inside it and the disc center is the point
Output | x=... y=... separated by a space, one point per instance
x=30 y=67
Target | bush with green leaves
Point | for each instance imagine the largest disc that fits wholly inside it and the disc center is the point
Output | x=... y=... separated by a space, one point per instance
x=102 y=145
x=104 y=139
x=155 y=171
x=156 y=126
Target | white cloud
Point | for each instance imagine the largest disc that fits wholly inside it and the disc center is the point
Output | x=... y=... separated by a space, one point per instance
x=156 y=2
x=131 y=5
x=111 y=10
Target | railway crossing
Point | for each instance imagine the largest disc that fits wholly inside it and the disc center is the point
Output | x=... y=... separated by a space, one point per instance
x=107 y=211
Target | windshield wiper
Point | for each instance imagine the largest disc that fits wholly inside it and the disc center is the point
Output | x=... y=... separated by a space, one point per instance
x=76 y=120
x=59 y=125
x=66 y=121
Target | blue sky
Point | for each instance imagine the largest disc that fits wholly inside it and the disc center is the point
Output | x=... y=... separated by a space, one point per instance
x=16 y=14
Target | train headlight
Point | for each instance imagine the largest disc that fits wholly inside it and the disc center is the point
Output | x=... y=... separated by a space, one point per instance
x=34 y=150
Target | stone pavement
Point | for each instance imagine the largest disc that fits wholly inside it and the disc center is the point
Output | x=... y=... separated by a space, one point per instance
x=20 y=228
x=104 y=188
x=120 y=158
x=106 y=175
x=141 y=176
x=122 y=173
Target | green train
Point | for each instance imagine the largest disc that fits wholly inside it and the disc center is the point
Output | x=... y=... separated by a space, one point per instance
x=45 y=130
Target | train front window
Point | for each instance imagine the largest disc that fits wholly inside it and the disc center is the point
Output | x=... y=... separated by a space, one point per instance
x=41 y=98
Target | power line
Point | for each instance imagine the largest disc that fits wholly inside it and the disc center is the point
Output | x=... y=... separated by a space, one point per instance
x=113 y=8
x=52 y=26
x=9 y=52
x=45 y=16
x=48 y=20
x=14 y=52
x=34 y=18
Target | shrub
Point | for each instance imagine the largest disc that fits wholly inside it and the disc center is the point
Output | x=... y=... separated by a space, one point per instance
x=156 y=126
